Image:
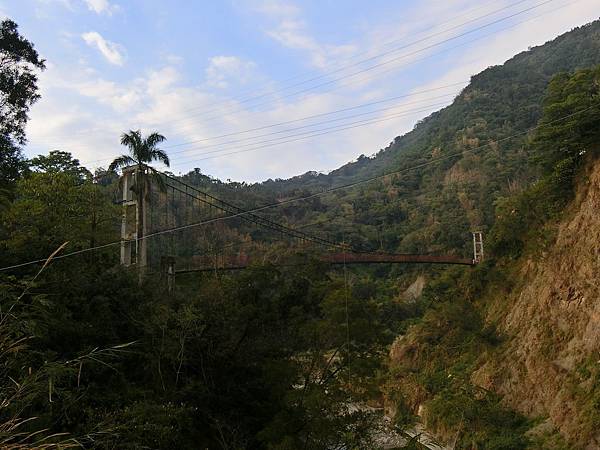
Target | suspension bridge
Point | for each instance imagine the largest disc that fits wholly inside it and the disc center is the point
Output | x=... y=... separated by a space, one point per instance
x=170 y=211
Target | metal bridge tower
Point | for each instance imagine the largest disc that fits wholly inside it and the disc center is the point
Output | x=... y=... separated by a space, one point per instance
x=477 y=246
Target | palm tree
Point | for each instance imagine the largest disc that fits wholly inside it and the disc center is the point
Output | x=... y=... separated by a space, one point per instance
x=142 y=152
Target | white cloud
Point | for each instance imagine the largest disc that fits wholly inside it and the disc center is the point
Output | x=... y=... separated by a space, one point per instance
x=113 y=52
x=109 y=93
x=278 y=8
x=223 y=71
x=84 y=112
x=101 y=6
x=290 y=30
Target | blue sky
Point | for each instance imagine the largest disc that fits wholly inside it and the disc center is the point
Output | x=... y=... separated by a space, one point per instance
x=216 y=76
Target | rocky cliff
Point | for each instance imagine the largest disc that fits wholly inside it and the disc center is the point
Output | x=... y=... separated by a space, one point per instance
x=544 y=360
x=549 y=365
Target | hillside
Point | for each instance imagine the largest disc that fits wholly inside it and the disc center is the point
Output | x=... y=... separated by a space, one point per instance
x=507 y=355
x=548 y=367
x=432 y=209
x=530 y=337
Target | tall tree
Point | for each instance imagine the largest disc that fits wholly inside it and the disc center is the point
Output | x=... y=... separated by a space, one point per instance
x=60 y=162
x=142 y=152
x=19 y=62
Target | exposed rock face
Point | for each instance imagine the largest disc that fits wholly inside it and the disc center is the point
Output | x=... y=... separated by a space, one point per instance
x=414 y=291
x=547 y=364
x=550 y=363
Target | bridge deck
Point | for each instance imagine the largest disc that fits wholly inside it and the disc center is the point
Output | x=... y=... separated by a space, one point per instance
x=205 y=264
x=378 y=258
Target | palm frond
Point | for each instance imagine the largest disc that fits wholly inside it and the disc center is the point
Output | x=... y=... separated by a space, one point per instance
x=161 y=156
x=154 y=139
x=120 y=162
x=133 y=140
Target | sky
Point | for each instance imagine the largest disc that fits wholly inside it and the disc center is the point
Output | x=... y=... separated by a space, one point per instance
x=248 y=90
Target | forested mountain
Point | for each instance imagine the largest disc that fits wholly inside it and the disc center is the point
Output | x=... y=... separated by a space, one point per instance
x=498 y=356
x=433 y=208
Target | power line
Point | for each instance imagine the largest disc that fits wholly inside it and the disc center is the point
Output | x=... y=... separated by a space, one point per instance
x=358 y=63
x=327 y=114
x=404 y=55
x=305 y=135
x=342 y=129
x=267 y=126
x=390 y=61
x=301 y=119
x=308 y=197
x=353 y=57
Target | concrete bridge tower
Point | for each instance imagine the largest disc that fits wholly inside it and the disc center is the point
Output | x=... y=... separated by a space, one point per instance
x=133 y=222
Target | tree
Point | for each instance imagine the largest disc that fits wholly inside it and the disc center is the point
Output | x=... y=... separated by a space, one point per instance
x=60 y=162
x=142 y=151
x=54 y=207
x=18 y=80
x=18 y=91
x=569 y=127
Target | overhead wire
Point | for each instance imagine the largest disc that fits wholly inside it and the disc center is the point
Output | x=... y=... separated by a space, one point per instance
x=335 y=129
x=414 y=52
x=302 y=136
x=306 y=118
x=357 y=106
x=398 y=58
x=480 y=6
x=358 y=63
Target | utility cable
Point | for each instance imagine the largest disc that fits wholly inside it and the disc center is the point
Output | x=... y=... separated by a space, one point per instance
x=395 y=59
x=406 y=95
x=502 y=19
x=316 y=124
x=358 y=63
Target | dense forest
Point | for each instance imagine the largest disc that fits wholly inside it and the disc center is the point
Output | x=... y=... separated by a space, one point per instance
x=294 y=356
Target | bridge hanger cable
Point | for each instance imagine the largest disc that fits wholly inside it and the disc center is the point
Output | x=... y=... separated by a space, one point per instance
x=314 y=195
x=293 y=232
x=253 y=218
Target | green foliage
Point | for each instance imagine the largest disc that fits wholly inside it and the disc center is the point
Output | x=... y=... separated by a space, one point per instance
x=433 y=208
x=287 y=357
x=254 y=361
x=56 y=207
x=26 y=381
x=439 y=355
x=558 y=148
x=60 y=162
x=142 y=151
x=19 y=62
x=585 y=386
x=479 y=418
x=451 y=338
x=18 y=80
